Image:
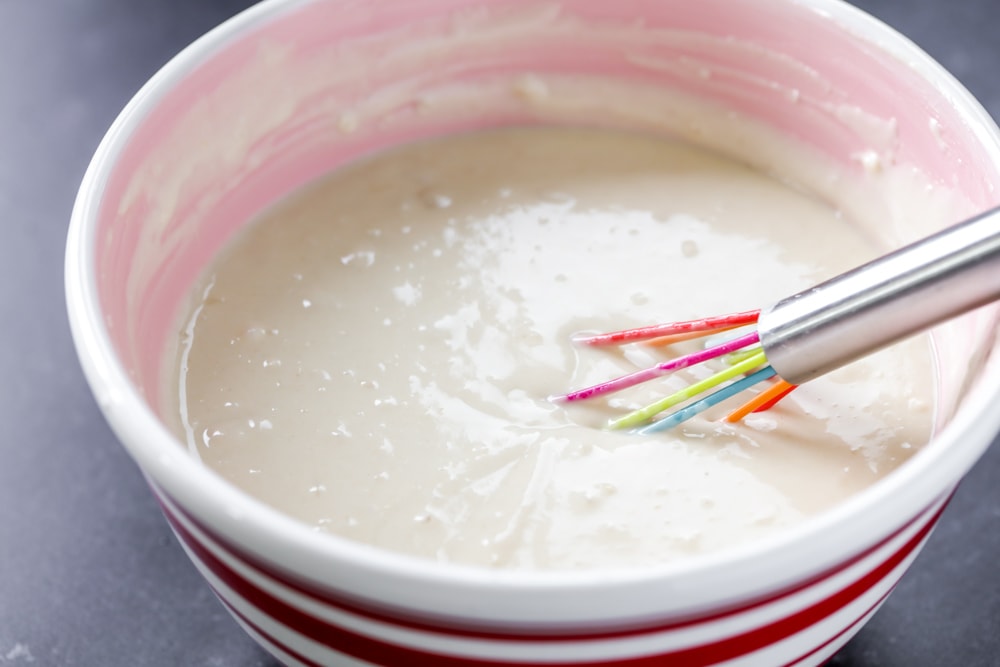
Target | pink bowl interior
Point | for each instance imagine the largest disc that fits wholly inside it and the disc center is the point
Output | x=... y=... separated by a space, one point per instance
x=275 y=109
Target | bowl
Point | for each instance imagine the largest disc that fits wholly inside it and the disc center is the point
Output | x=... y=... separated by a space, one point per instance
x=290 y=89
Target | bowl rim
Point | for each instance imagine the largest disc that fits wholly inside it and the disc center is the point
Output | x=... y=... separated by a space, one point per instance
x=865 y=518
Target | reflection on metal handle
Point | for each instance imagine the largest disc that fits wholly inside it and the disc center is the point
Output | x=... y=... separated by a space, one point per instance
x=897 y=295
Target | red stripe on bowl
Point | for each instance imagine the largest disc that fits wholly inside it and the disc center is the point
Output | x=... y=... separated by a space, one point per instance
x=309 y=663
x=805 y=656
x=271 y=639
x=280 y=645
x=455 y=627
x=381 y=653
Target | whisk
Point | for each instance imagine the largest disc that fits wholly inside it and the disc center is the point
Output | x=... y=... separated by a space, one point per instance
x=817 y=330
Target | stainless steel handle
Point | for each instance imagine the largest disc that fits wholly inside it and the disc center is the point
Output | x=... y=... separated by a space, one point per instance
x=858 y=312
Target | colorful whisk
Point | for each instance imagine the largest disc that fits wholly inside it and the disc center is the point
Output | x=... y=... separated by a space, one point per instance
x=818 y=330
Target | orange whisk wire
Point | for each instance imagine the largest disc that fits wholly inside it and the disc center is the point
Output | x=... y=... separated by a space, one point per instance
x=765 y=400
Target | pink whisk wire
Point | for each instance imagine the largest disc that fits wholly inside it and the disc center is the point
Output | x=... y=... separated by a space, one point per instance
x=664 y=368
x=707 y=324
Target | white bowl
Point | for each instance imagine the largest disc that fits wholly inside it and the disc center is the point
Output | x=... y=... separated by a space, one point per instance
x=292 y=88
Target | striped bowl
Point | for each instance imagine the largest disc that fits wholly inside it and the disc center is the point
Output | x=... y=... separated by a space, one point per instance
x=293 y=88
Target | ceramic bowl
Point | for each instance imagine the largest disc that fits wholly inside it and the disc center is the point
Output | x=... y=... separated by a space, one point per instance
x=290 y=89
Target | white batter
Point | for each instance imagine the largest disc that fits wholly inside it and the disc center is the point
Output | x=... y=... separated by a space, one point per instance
x=374 y=356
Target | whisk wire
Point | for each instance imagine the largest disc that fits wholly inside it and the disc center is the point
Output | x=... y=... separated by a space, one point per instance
x=664 y=368
x=714 y=324
x=762 y=401
x=641 y=415
x=687 y=412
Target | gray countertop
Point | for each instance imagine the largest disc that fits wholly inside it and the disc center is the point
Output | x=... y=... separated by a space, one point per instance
x=89 y=572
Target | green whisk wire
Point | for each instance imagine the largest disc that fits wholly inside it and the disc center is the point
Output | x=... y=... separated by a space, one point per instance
x=641 y=415
x=685 y=413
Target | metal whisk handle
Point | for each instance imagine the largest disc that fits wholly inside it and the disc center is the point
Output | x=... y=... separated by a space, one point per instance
x=907 y=291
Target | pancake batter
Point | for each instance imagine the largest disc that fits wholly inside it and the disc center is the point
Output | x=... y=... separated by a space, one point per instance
x=374 y=355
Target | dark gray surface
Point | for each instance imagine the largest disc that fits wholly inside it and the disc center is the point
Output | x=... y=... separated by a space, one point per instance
x=89 y=573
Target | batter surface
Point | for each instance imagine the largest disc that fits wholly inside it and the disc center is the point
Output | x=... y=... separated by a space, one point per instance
x=373 y=356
